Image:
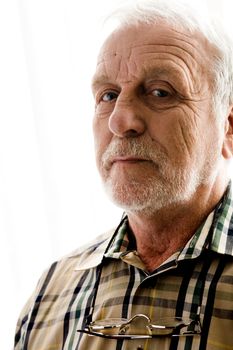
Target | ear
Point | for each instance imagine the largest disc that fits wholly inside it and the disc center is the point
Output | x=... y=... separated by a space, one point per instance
x=227 y=149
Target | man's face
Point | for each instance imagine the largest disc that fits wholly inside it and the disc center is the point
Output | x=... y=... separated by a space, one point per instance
x=156 y=137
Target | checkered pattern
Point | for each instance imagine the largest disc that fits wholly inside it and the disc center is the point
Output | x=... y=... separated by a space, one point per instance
x=197 y=279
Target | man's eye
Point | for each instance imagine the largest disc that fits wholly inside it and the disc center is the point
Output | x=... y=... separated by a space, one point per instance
x=160 y=93
x=109 y=96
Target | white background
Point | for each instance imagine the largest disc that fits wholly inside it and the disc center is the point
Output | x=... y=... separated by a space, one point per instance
x=51 y=200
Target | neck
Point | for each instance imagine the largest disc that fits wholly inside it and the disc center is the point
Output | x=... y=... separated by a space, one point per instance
x=161 y=234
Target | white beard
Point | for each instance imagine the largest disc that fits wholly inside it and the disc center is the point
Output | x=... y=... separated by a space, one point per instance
x=167 y=185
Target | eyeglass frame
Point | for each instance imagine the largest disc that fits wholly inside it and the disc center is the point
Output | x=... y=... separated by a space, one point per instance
x=93 y=329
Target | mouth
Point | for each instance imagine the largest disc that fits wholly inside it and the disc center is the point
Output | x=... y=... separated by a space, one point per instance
x=123 y=160
x=128 y=160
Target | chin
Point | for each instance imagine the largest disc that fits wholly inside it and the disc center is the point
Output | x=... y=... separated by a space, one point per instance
x=153 y=194
x=140 y=198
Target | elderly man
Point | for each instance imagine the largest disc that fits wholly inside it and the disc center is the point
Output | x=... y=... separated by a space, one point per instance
x=163 y=130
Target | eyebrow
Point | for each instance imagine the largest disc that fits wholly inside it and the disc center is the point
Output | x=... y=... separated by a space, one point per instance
x=99 y=80
x=158 y=72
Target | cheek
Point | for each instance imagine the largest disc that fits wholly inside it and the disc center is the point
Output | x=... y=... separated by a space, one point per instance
x=186 y=134
x=178 y=136
x=191 y=140
x=102 y=137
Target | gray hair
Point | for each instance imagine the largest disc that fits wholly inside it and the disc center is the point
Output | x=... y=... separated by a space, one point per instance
x=182 y=15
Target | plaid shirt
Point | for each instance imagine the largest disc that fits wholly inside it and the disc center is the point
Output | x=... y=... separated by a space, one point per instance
x=109 y=279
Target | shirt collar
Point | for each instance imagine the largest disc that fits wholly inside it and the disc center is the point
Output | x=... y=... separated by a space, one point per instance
x=121 y=244
x=222 y=239
x=216 y=233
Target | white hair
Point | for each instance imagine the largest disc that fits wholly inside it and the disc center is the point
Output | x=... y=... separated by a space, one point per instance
x=182 y=15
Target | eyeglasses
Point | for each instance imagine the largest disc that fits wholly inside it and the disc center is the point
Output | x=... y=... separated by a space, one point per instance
x=141 y=327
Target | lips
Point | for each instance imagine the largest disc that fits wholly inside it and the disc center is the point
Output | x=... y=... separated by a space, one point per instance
x=127 y=159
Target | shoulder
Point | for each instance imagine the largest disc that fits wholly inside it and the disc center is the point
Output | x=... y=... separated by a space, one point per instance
x=75 y=263
x=84 y=257
x=58 y=282
x=90 y=254
x=71 y=266
x=91 y=246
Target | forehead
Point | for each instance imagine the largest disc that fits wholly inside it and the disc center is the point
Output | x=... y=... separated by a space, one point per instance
x=136 y=50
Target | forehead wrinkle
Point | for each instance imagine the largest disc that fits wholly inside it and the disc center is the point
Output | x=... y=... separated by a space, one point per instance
x=102 y=77
x=133 y=52
x=169 y=52
x=106 y=55
x=122 y=70
x=190 y=42
x=189 y=67
x=181 y=42
x=99 y=80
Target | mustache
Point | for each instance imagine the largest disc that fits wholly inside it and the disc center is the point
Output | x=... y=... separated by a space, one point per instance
x=142 y=149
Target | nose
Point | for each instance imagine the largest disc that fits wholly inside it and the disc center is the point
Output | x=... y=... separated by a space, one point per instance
x=126 y=119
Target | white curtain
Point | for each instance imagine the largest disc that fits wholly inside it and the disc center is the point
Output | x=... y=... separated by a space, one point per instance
x=51 y=200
